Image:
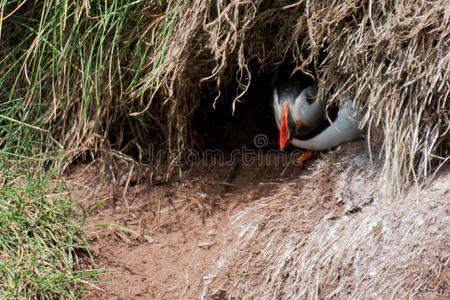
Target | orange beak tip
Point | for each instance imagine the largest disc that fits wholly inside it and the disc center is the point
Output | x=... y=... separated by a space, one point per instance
x=283 y=129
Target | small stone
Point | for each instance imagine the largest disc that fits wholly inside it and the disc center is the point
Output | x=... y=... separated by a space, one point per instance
x=149 y=239
x=206 y=244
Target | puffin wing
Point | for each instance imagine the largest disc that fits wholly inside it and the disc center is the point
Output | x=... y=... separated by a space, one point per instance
x=344 y=129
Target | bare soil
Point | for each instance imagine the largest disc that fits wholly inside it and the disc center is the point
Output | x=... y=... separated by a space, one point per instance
x=157 y=240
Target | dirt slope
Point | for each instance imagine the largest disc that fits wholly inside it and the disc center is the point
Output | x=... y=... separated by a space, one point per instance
x=188 y=239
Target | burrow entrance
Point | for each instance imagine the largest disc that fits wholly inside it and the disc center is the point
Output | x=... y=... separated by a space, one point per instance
x=253 y=117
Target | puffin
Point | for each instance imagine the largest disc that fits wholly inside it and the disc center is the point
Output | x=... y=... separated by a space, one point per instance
x=302 y=120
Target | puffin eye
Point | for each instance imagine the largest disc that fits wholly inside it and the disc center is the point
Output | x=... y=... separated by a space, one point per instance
x=310 y=100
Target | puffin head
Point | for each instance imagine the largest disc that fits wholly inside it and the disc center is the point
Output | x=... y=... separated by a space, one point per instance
x=301 y=116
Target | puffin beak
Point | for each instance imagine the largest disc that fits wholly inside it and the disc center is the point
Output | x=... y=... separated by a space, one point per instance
x=288 y=127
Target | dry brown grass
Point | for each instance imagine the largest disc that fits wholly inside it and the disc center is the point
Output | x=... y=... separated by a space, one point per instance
x=392 y=58
x=210 y=46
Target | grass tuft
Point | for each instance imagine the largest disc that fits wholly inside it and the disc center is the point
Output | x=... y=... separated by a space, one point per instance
x=39 y=239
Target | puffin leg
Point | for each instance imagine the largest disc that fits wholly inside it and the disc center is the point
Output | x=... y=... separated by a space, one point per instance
x=307 y=154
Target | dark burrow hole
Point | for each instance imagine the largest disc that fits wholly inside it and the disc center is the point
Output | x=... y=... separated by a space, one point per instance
x=253 y=123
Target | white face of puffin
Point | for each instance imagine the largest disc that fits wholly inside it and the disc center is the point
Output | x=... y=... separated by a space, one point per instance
x=308 y=109
x=297 y=115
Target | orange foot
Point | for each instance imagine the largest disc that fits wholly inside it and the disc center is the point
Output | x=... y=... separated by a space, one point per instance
x=304 y=156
